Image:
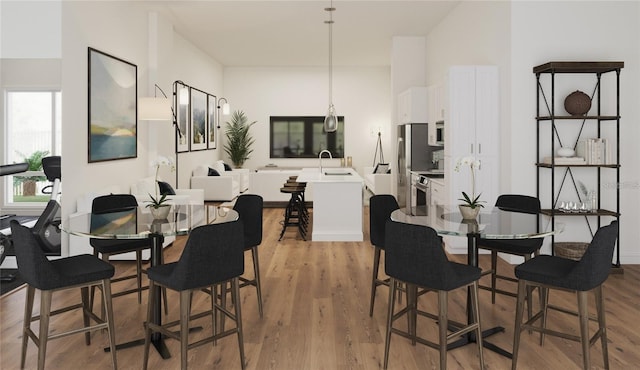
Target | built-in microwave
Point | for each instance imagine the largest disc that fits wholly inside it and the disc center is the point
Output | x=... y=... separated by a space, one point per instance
x=440 y=132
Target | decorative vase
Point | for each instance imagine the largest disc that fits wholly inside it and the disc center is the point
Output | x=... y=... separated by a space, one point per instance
x=468 y=213
x=577 y=103
x=161 y=212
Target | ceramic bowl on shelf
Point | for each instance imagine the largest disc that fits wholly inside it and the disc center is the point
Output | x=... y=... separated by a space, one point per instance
x=566 y=152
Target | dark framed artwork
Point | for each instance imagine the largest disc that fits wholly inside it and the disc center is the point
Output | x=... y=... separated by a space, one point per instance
x=182 y=118
x=212 y=122
x=198 y=132
x=113 y=107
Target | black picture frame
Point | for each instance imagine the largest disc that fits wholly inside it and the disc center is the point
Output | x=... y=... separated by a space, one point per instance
x=112 y=107
x=198 y=128
x=182 y=104
x=212 y=121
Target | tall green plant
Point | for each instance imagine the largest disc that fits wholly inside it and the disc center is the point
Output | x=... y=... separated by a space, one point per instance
x=35 y=164
x=239 y=140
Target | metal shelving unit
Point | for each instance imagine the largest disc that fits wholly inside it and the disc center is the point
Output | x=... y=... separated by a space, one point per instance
x=548 y=122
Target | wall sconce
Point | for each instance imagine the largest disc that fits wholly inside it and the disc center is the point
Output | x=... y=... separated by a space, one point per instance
x=225 y=109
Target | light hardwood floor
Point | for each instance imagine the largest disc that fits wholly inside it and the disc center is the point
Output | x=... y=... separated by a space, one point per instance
x=316 y=301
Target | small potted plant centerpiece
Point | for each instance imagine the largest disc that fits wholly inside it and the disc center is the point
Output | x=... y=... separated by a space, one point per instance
x=158 y=205
x=471 y=205
x=239 y=140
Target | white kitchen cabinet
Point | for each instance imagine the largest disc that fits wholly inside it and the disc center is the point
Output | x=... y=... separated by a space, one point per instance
x=412 y=106
x=472 y=129
x=436 y=109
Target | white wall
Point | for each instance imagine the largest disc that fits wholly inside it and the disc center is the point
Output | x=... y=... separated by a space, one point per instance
x=516 y=36
x=361 y=95
x=580 y=31
x=122 y=30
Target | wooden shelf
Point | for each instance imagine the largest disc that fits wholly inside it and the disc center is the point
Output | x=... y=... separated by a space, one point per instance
x=578 y=67
x=549 y=165
x=600 y=118
x=557 y=212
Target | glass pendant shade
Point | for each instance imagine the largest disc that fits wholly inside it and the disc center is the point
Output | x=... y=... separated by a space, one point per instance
x=331 y=121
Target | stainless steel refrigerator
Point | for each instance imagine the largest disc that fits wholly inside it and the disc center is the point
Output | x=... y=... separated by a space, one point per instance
x=414 y=154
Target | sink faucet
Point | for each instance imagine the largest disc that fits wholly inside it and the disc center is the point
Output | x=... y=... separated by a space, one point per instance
x=320 y=158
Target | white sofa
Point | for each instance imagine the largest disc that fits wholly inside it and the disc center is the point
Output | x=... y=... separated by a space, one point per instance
x=147 y=186
x=377 y=183
x=225 y=187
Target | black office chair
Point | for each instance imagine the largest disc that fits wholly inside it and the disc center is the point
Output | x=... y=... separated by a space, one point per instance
x=249 y=208
x=414 y=255
x=82 y=271
x=104 y=248
x=380 y=209
x=552 y=272
x=213 y=255
x=521 y=247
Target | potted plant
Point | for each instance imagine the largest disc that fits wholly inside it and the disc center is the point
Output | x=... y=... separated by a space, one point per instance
x=158 y=205
x=35 y=164
x=239 y=140
x=471 y=205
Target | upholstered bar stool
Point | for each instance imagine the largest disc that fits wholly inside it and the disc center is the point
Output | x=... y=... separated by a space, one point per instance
x=577 y=277
x=80 y=271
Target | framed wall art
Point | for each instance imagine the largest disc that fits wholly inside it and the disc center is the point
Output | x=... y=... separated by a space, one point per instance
x=182 y=109
x=199 y=130
x=112 y=107
x=213 y=123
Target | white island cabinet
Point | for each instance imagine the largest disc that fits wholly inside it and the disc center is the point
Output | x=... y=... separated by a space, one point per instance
x=337 y=203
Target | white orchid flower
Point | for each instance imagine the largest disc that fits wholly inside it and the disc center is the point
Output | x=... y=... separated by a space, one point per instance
x=163 y=161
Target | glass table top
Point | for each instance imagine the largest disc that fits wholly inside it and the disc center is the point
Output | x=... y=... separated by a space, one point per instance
x=491 y=223
x=137 y=223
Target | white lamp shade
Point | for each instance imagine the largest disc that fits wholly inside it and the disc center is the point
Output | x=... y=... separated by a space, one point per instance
x=154 y=109
x=225 y=109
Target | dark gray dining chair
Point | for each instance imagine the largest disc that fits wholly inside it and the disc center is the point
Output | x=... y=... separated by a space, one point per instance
x=380 y=208
x=105 y=248
x=213 y=255
x=249 y=208
x=526 y=248
x=414 y=256
x=579 y=277
x=81 y=271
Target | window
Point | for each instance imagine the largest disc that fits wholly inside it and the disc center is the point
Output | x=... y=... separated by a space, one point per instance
x=304 y=137
x=33 y=130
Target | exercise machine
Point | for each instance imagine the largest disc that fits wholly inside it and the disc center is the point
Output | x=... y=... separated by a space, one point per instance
x=47 y=226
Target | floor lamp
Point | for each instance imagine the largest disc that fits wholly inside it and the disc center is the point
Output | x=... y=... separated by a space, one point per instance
x=159 y=109
x=378 y=146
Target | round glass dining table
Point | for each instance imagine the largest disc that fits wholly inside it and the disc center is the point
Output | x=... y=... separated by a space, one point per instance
x=137 y=223
x=491 y=223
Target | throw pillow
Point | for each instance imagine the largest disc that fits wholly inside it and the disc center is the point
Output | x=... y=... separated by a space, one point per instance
x=213 y=172
x=381 y=168
x=218 y=166
x=166 y=188
x=226 y=167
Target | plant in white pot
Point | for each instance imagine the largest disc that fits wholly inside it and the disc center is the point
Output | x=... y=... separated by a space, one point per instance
x=158 y=205
x=471 y=205
x=239 y=140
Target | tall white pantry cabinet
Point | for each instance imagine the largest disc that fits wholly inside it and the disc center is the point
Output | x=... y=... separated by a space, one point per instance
x=471 y=129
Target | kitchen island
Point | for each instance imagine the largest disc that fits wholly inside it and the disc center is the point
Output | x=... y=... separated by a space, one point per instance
x=337 y=203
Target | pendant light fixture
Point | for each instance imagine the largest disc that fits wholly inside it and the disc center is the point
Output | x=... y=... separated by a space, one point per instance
x=330 y=121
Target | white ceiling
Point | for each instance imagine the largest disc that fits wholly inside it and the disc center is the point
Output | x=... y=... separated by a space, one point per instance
x=293 y=33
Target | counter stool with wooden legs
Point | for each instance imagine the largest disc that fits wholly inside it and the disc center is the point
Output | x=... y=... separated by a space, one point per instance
x=294 y=213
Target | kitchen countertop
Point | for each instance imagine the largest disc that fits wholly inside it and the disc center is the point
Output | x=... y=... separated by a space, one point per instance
x=329 y=174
